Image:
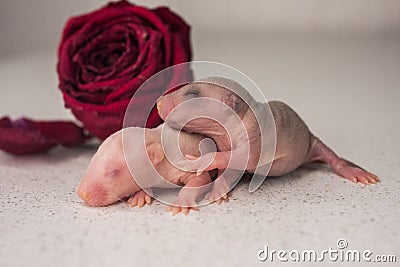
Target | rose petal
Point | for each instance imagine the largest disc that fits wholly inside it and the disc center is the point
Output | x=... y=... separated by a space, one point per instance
x=89 y=26
x=74 y=24
x=25 y=136
x=106 y=55
x=181 y=35
x=149 y=52
x=154 y=58
x=101 y=20
x=95 y=117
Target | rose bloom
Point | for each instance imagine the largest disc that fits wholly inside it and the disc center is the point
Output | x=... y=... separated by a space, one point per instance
x=104 y=57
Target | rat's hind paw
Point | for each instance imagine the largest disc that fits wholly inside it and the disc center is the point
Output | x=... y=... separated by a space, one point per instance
x=183 y=204
x=356 y=174
x=177 y=209
x=217 y=195
x=220 y=191
x=140 y=198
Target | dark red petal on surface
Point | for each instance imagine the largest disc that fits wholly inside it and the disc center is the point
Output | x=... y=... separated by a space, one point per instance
x=63 y=132
x=25 y=136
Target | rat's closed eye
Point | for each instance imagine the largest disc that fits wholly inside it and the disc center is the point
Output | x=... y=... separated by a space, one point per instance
x=192 y=92
x=111 y=173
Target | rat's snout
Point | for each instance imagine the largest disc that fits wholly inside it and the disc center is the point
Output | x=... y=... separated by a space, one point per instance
x=84 y=195
x=159 y=109
x=164 y=107
x=93 y=195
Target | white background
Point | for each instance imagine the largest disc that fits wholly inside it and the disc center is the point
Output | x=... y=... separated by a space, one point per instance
x=337 y=63
x=31 y=25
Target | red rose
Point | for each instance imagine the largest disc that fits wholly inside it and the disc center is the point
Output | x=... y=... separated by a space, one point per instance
x=106 y=55
x=103 y=58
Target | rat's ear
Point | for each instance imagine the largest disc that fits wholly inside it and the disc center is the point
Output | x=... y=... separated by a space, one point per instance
x=233 y=101
x=155 y=153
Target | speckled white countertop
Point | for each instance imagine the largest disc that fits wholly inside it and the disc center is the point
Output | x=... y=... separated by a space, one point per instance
x=346 y=90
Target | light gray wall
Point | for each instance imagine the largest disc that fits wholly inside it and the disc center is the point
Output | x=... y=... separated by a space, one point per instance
x=36 y=24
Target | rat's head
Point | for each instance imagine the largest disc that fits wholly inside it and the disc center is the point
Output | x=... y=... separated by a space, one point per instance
x=107 y=179
x=214 y=88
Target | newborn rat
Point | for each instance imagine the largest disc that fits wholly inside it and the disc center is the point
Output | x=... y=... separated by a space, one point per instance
x=295 y=144
x=109 y=180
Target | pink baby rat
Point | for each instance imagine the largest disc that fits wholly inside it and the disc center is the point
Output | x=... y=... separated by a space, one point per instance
x=295 y=144
x=109 y=180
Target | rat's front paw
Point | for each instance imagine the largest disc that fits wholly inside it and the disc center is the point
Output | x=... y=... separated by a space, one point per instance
x=198 y=164
x=140 y=198
x=356 y=174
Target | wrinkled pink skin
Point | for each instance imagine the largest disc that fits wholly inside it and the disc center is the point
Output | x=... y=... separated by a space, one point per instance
x=295 y=144
x=108 y=179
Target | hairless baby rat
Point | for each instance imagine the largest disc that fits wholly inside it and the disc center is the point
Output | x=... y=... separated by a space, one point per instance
x=295 y=144
x=109 y=180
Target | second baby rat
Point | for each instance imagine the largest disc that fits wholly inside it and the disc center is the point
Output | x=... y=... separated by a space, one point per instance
x=295 y=144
